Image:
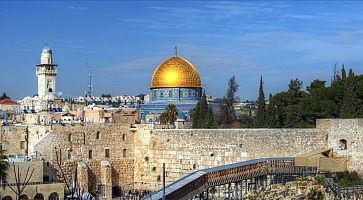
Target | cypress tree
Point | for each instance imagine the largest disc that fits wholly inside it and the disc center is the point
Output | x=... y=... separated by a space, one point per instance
x=228 y=115
x=202 y=114
x=293 y=113
x=344 y=74
x=261 y=107
x=350 y=104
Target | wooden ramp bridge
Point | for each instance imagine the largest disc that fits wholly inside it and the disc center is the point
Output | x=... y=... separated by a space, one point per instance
x=233 y=181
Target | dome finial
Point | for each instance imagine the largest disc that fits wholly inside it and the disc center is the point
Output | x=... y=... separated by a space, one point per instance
x=175 y=51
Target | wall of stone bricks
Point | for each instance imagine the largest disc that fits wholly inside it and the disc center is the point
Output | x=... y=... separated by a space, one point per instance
x=136 y=153
x=188 y=150
x=80 y=140
x=350 y=130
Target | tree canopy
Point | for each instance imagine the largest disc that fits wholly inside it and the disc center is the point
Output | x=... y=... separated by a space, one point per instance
x=169 y=115
x=202 y=115
x=228 y=115
x=297 y=108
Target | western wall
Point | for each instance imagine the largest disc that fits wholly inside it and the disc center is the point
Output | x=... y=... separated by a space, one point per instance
x=121 y=157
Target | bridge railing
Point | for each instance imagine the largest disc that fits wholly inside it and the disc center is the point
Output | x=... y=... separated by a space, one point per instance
x=194 y=183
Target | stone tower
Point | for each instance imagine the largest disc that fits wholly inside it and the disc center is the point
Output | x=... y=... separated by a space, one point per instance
x=46 y=73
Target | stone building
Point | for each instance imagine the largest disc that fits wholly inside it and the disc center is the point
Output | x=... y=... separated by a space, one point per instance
x=38 y=187
x=112 y=159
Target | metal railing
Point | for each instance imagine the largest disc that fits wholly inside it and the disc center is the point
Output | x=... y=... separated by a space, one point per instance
x=199 y=181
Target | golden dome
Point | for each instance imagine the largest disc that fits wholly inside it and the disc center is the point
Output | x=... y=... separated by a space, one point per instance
x=175 y=72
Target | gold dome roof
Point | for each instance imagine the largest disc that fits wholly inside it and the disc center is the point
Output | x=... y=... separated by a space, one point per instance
x=175 y=72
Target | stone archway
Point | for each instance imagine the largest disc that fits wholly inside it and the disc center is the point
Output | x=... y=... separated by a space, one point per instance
x=7 y=198
x=24 y=197
x=39 y=196
x=54 y=196
x=116 y=191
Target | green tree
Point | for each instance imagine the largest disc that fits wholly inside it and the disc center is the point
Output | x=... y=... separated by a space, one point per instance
x=169 y=115
x=228 y=115
x=317 y=104
x=315 y=194
x=202 y=115
x=276 y=112
x=350 y=104
x=293 y=114
x=4 y=165
x=4 y=96
x=261 y=107
x=344 y=74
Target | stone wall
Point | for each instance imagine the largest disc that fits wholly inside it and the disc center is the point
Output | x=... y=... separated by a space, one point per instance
x=188 y=150
x=346 y=138
x=89 y=144
x=136 y=154
x=45 y=190
x=35 y=171
x=19 y=140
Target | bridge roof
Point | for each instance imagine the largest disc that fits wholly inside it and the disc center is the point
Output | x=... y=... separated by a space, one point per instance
x=178 y=184
x=197 y=174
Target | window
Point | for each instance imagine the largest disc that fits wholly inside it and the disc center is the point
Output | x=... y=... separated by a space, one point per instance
x=342 y=144
x=69 y=137
x=124 y=137
x=1 y=146
x=84 y=138
x=124 y=153
x=107 y=153
x=69 y=154
x=89 y=154
x=98 y=135
x=22 y=144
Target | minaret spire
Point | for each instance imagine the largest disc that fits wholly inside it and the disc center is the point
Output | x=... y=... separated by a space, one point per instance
x=175 y=51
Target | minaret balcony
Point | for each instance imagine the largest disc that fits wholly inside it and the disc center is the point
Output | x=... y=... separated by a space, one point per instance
x=41 y=71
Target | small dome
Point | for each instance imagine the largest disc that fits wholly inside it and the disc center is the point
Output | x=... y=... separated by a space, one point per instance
x=175 y=72
x=46 y=50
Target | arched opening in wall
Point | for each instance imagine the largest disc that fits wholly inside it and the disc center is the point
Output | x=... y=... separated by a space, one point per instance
x=124 y=137
x=7 y=198
x=124 y=151
x=98 y=135
x=54 y=196
x=116 y=191
x=69 y=137
x=39 y=196
x=24 y=197
x=50 y=90
x=343 y=144
x=194 y=166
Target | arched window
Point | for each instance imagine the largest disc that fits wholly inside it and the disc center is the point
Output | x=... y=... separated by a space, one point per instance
x=343 y=144
x=39 y=196
x=24 y=197
x=98 y=135
x=124 y=137
x=54 y=196
x=69 y=137
x=7 y=198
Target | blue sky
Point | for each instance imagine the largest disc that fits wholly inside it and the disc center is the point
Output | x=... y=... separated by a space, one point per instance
x=124 y=42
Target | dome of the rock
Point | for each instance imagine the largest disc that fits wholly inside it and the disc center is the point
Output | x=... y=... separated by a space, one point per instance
x=175 y=72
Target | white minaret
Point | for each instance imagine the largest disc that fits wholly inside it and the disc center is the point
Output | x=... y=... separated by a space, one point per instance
x=46 y=73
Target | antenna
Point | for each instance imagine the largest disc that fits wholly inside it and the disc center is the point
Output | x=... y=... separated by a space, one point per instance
x=176 y=50
x=90 y=75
